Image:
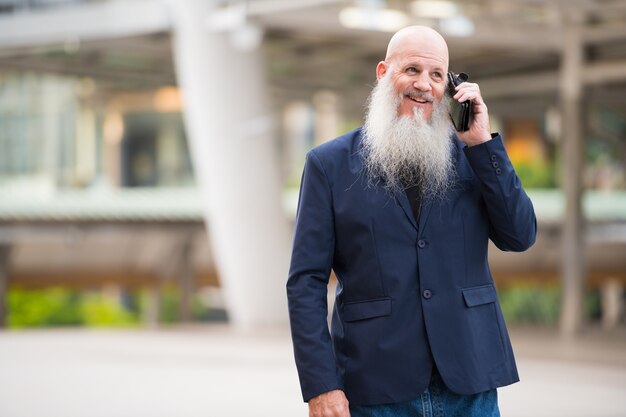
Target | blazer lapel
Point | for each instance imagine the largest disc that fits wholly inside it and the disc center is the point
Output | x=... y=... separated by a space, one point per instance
x=427 y=204
x=403 y=201
x=425 y=207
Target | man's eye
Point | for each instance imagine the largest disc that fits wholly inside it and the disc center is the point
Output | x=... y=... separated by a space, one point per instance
x=437 y=75
x=411 y=69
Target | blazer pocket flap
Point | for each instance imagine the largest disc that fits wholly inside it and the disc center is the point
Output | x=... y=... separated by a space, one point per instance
x=476 y=296
x=367 y=309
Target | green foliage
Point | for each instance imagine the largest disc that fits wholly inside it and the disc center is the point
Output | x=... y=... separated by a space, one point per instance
x=534 y=304
x=65 y=307
x=100 y=310
x=170 y=306
x=40 y=308
x=593 y=305
x=530 y=305
x=536 y=175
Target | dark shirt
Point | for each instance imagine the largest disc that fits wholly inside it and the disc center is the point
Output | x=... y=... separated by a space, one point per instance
x=414 y=195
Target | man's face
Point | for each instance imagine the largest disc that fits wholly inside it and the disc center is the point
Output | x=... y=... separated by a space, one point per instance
x=418 y=75
x=407 y=150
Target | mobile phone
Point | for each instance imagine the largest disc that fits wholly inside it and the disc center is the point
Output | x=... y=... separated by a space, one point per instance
x=460 y=113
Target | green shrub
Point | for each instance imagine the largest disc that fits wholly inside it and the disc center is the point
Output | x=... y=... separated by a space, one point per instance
x=530 y=305
x=41 y=308
x=65 y=307
x=536 y=175
x=101 y=310
x=170 y=306
x=534 y=304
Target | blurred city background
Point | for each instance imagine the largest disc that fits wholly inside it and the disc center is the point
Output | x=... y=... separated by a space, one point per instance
x=150 y=159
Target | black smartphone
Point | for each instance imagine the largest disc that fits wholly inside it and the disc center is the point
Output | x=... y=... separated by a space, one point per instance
x=460 y=113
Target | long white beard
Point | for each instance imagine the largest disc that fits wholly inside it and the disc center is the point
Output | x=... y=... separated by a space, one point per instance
x=407 y=151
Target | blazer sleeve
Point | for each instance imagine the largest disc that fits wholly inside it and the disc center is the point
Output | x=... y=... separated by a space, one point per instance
x=311 y=262
x=513 y=226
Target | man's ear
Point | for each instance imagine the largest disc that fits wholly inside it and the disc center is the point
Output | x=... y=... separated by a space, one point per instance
x=381 y=70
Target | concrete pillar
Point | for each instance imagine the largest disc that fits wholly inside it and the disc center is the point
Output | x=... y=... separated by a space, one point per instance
x=572 y=243
x=228 y=124
x=185 y=282
x=326 y=116
x=151 y=313
x=5 y=252
x=612 y=296
x=298 y=126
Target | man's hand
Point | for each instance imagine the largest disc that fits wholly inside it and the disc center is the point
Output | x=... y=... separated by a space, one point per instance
x=329 y=404
x=480 y=130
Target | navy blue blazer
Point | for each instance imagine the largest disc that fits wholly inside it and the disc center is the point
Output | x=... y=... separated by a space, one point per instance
x=407 y=293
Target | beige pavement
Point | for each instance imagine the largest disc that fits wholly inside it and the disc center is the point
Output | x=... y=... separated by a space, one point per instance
x=217 y=371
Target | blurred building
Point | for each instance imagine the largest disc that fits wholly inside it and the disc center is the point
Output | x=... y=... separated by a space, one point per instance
x=109 y=178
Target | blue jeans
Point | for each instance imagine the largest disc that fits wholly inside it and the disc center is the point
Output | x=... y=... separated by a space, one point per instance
x=436 y=401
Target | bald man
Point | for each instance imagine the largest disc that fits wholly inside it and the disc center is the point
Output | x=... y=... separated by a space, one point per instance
x=401 y=210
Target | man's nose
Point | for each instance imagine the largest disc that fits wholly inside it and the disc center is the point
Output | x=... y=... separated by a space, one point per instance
x=422 y=83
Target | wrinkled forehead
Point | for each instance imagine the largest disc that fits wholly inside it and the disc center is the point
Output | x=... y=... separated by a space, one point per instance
x=418 y=42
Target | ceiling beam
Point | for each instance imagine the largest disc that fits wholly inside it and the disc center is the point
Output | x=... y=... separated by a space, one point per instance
x=547 y=81
x=519 y=85
x=137 y=78
x=111 y=19
x=604 y=33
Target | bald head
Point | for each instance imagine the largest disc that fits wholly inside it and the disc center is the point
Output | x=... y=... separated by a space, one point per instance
x=417 y=38
x=416 y=62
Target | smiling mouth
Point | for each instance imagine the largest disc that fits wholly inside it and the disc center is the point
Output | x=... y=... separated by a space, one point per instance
x=418 y=100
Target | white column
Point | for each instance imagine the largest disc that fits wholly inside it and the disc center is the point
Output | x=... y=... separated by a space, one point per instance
x=230 y=135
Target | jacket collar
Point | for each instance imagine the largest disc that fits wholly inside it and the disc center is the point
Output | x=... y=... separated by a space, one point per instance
x=401 y=198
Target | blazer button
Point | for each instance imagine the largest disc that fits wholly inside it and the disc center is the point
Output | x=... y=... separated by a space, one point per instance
x=493 y=157
x=498 y=171
x=427 y=294
x=494 y=164
x=421 y=243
